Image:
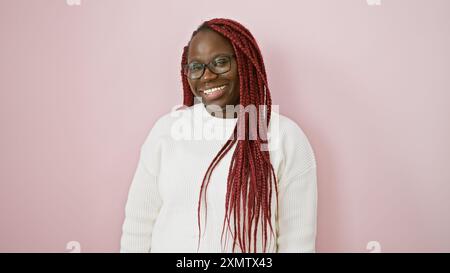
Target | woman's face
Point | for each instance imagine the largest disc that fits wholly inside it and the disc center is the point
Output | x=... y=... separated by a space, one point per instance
x=205 y=46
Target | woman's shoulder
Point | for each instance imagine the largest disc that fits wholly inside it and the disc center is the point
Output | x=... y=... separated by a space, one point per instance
x=289 y=141
x=165 y=121
x=285 y=127
x=163 y=124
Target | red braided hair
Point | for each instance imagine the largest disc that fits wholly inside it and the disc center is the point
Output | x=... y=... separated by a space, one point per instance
x=250 y=173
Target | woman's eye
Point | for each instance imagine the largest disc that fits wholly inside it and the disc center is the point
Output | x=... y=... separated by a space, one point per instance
x=221 y=61
x=194 y=67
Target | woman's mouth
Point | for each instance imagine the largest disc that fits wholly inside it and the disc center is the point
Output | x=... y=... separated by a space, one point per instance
x=214 y=93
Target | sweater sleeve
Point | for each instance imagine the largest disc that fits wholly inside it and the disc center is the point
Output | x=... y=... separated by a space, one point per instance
x=297 y=197
x=141 y=210
x=144 y=200
x=297 y=213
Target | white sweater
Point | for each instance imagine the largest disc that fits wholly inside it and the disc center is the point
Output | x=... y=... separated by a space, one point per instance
x=161 y=211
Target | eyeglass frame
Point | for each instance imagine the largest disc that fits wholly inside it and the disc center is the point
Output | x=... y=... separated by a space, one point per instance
x=186 y=66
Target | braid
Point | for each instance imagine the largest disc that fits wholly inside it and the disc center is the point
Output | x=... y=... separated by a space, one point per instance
x=187 y=94
x=250 y=174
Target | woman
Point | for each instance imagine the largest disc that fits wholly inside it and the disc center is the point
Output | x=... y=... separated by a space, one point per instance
x=252 y=190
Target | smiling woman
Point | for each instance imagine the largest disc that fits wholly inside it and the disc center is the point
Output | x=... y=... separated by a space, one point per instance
x=219 y=83
x=262 y=191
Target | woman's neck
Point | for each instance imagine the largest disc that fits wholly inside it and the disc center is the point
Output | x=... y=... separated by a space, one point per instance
x=221 y=112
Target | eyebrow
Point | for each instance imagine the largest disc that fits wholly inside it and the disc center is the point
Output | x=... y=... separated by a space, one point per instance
x=195 y=58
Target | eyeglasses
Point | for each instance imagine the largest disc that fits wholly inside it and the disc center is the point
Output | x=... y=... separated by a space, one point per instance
x=221 y=64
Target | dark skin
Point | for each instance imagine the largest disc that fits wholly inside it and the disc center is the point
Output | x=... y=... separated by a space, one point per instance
x=203 y=48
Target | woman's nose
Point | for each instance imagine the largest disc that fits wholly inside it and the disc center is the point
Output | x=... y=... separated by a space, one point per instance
x=208 y=74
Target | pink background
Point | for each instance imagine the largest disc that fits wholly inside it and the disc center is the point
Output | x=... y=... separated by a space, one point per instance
x=82 y=85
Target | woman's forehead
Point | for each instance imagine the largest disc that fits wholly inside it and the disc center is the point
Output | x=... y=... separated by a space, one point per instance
x=207 y=44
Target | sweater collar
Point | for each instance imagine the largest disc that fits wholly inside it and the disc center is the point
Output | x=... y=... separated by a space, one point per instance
x=200 y=107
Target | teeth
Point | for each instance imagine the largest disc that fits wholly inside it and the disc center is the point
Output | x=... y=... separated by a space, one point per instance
x=211 y=90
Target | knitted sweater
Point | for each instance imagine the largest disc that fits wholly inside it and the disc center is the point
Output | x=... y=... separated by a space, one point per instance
x=161 y=210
